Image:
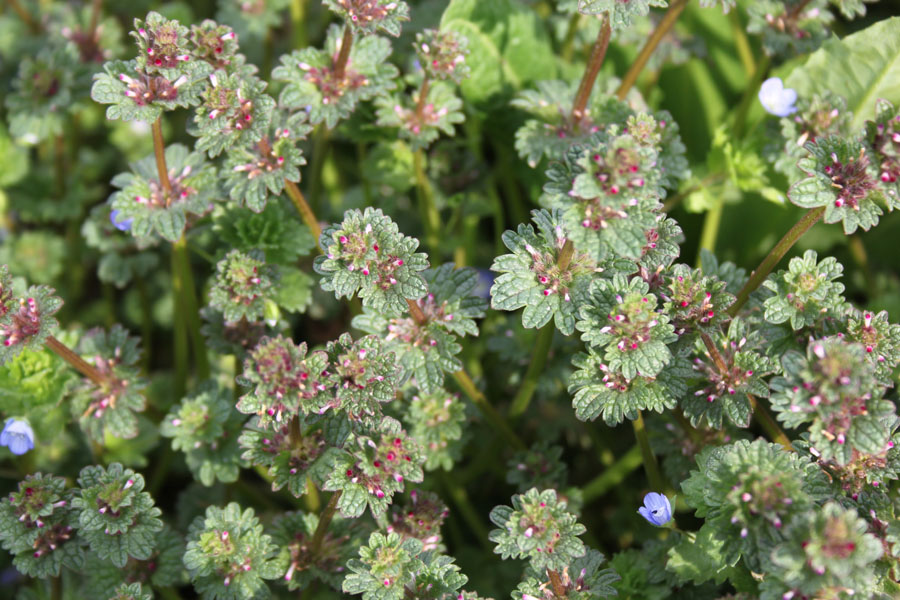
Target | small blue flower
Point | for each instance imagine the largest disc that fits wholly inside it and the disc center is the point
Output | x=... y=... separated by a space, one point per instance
x=656 y=509
x=776 y=99
x=17 y=436
x=124 y=225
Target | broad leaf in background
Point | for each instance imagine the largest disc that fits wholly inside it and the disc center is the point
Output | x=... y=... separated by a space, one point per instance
x=508 y=45
x=862 y=67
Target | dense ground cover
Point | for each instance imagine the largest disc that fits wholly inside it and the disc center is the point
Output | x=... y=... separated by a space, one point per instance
x=449 y=299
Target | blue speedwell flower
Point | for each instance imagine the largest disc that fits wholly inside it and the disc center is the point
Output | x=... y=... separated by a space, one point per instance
x=123 y=225
x=656 y=509
x=17 y=435
x=776 y=99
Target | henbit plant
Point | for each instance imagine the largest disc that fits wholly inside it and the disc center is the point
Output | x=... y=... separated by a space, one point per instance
x=347 y=462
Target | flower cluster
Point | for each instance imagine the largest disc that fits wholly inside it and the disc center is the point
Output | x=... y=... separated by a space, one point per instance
x=834 y=389
x=329 y=91
x=228 y=555
x=115 y=516
x=538 y=527
x=242 y=286
x=366 y=255
x=162 y=207
x=425 y=342
x=545 y=274
x=375 y=468
x=26 y=320
x=110 y=407
x=442 y=54
x=367 y=16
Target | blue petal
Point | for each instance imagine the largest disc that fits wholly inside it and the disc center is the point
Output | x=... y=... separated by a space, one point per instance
x=20 y=444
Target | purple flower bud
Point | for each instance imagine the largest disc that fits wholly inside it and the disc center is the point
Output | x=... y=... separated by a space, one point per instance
x=776 y=99
x=17 y=435
x=656 y=509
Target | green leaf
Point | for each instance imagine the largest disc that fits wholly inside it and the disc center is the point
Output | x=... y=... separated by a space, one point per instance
x=698 y=559
x=508 y=44
x=862 y=67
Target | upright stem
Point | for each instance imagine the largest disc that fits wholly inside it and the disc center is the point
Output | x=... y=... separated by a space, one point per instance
x=741 y=43
x=298 y=23
x=159 y=151
x=423 y=95
x=593 y=68
x=568 y=46
x=650 y=45
x=711 y=227
x=83 y=367
x=340 y=64
x=430 y=216
x=740 y=119
x=415 y=311
x=466 y=510
x=559 y=590
x=181 y=263
x=776 y=433
x=324 y=520
x=26 y=17
x=179 y=329
x=317 y=164
x=535 y=368
x=613 y=475
x=95 y=19
x=146 y=323
x=303 y=208
x=468 y=386
x=775 y=255
x=651 y=467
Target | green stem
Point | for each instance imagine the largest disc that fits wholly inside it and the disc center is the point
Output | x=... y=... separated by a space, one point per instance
x=430 y=216
x=182 y=265
x=711 y=227
x=324 y=520
x=146 y=323
x=535 y=370
x=159 y=151
x=500 y=425
x=598 y=53
x=568 y=46
x=651 y=467
x=303 y=208
x=650 y=45
x=742 y=43
x=312 y=499
x=319 y=152
x=858 y=251
x=26 y=17
x=461 y=499
x=179 y=329
x=614 y=475
x=740 y=118
x=776 y=254
x=298 y=23
x=769 y=424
